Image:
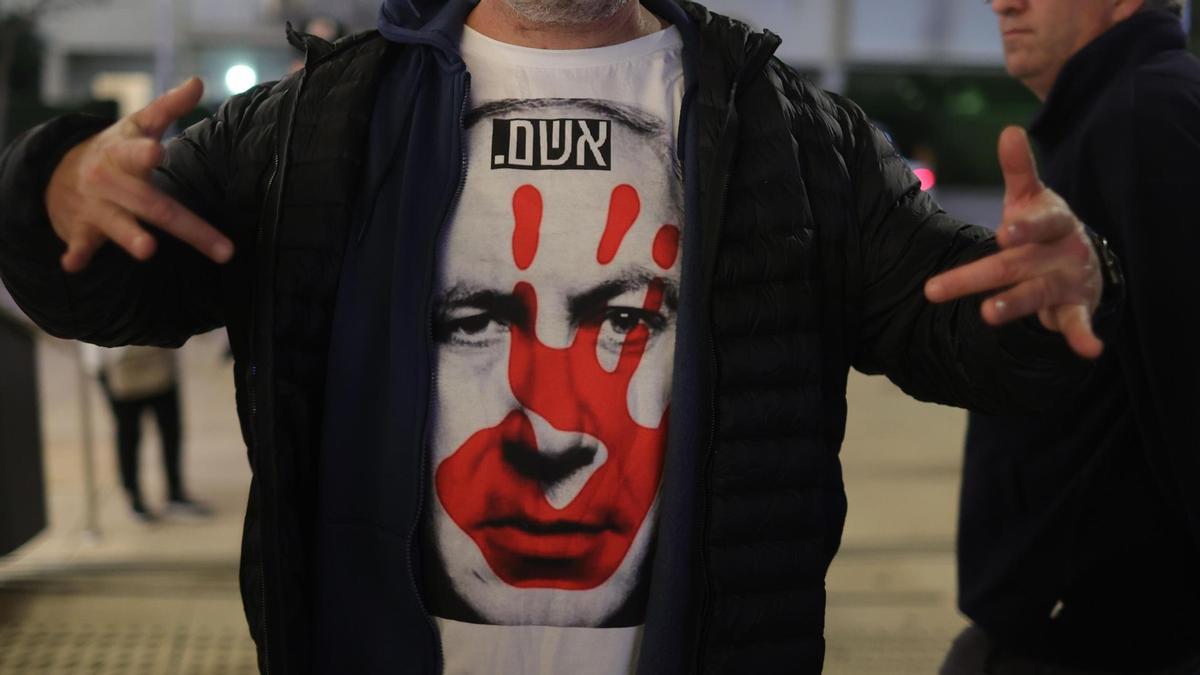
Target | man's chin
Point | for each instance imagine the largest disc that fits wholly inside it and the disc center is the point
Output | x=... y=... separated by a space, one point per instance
x=566 y=12
x=1020 y=67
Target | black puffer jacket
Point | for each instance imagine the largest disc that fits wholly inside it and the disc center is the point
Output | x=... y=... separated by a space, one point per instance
x=816 y=245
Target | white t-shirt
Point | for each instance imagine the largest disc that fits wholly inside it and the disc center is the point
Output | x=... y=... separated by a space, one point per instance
x=555 y=314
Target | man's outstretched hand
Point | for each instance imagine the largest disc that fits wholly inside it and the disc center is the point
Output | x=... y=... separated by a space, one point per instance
x=101 y=189
x=1046 y=266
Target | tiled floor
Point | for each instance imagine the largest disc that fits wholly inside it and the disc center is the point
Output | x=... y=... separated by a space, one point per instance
x=175 y=619
x=163 y=599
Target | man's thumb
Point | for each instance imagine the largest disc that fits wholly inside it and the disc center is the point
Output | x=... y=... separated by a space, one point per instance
x=1017 y=164
x=154 y=119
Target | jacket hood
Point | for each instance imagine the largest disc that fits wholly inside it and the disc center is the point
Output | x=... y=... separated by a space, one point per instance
x=432 y=22
x=440 y=22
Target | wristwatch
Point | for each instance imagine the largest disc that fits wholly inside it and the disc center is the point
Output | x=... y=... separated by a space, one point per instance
x=1110 y=269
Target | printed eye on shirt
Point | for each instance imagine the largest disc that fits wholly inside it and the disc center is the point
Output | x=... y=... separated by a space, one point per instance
x=555 y=328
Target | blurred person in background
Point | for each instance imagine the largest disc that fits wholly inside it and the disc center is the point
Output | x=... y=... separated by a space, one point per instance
x=1079 y=533
x=480 y=254
x=134 y=380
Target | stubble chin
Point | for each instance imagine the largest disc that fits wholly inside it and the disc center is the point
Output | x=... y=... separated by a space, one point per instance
x=566 y=12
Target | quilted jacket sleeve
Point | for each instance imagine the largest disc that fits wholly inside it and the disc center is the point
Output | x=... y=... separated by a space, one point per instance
x=939 y=353
x=117 y=300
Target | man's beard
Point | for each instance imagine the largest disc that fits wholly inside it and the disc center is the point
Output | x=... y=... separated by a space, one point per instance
x=566 y=12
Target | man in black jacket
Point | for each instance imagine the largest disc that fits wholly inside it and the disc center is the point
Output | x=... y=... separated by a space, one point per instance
x=1079 y=539
x=479 y=255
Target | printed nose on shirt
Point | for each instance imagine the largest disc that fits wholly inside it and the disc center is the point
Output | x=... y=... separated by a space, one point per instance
x=560 y=144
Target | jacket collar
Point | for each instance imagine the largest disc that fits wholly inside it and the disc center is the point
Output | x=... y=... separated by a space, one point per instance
x=437 y=23
x=1086 y=74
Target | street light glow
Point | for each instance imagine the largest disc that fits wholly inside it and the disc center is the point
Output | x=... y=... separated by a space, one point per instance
x=239 y=78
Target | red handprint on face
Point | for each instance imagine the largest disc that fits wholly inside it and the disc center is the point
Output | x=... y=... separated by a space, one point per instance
x=494 y=487
x=527 y=212
x=623 y=210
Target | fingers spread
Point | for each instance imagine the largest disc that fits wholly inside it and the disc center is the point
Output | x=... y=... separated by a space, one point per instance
x=1020 y=262
x=154 y=119
x=998 y=270
x=121 y=227
x=1047 y=291
x=146 y=202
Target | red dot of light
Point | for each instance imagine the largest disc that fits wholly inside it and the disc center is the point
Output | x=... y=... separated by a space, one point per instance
x=928 y=178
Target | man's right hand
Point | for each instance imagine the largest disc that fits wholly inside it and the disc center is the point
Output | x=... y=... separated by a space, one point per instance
x=101 y=189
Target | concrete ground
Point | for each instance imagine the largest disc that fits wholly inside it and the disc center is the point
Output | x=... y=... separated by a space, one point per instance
x=162 y=599
x=891 y=605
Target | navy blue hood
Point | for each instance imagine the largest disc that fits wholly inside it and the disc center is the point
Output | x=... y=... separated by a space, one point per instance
x=440 y=22
x=433 y=22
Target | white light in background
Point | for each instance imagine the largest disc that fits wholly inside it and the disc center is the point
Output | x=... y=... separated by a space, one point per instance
x=239 y=78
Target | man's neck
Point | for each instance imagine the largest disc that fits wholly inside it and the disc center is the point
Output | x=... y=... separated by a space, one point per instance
x=497 y=19
x=1041 y=85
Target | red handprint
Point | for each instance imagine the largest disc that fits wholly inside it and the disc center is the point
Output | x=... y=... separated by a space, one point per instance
x=494 y=486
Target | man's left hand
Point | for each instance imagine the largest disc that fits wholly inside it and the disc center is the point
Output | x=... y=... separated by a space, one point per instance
x=1046 y=266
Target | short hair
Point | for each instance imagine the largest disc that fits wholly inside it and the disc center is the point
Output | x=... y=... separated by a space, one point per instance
x=1173 y=6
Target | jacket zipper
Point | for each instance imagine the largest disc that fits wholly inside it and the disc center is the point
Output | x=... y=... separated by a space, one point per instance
x=710 y=451
x=433 y=376
x=277 y=174
x=278 y=205
x=756 y=61
x=252 y=385
x=258 y=240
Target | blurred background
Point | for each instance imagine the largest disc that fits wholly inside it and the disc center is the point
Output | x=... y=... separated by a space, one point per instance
x=86 y=587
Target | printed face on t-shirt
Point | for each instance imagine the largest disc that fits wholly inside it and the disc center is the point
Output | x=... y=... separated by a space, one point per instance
x=555 y=332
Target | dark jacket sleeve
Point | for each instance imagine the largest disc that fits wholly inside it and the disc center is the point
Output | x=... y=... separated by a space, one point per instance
x=117 y=300
x=940 y=353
